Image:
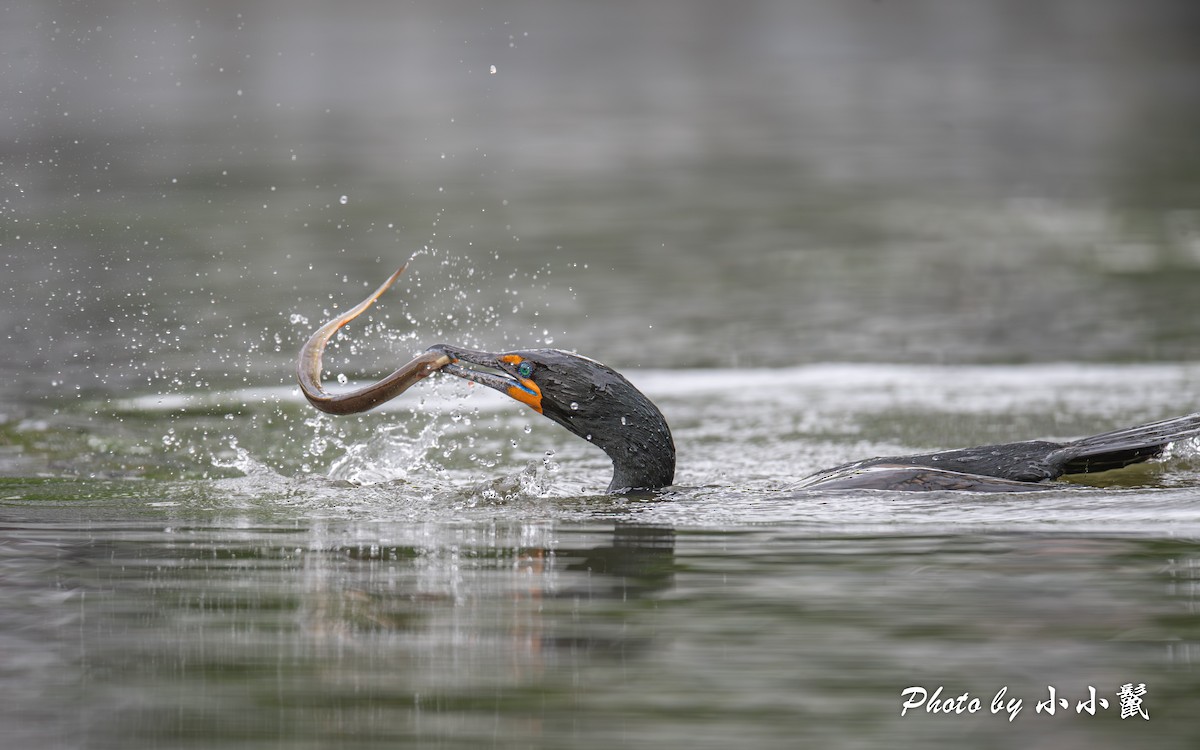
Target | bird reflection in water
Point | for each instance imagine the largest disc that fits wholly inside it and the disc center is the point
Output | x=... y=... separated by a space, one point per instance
x=458 y=596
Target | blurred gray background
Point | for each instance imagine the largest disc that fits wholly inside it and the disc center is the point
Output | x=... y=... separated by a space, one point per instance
x=185 y=188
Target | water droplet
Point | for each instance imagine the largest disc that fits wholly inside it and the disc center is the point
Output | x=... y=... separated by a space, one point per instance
x=492 y=70
x=344 y=199
x=624 y=421
x=341 y=378
x=528 y=429
x=574 y=405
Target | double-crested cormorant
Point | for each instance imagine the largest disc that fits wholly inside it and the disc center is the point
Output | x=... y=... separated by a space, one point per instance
x=599 y=405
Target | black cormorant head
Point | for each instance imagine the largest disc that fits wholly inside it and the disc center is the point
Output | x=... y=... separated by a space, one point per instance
x=591 y=400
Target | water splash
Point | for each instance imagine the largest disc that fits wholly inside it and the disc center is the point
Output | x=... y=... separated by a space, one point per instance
x=390 y=455
x=535 y=481
x=243 y=462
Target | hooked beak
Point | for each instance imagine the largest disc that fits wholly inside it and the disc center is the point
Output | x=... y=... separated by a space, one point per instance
x=496 y=371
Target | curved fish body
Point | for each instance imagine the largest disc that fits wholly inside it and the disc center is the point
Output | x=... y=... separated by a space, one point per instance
x=308 y=368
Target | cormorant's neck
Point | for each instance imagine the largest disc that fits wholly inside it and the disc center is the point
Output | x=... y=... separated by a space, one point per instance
x=634 y=434
x=607 y=411
x=644 y=458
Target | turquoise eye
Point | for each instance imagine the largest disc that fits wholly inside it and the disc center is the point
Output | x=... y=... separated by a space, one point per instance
x=525 y=369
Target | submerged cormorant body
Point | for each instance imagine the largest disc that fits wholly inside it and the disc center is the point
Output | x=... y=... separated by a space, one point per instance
x=599 y=405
